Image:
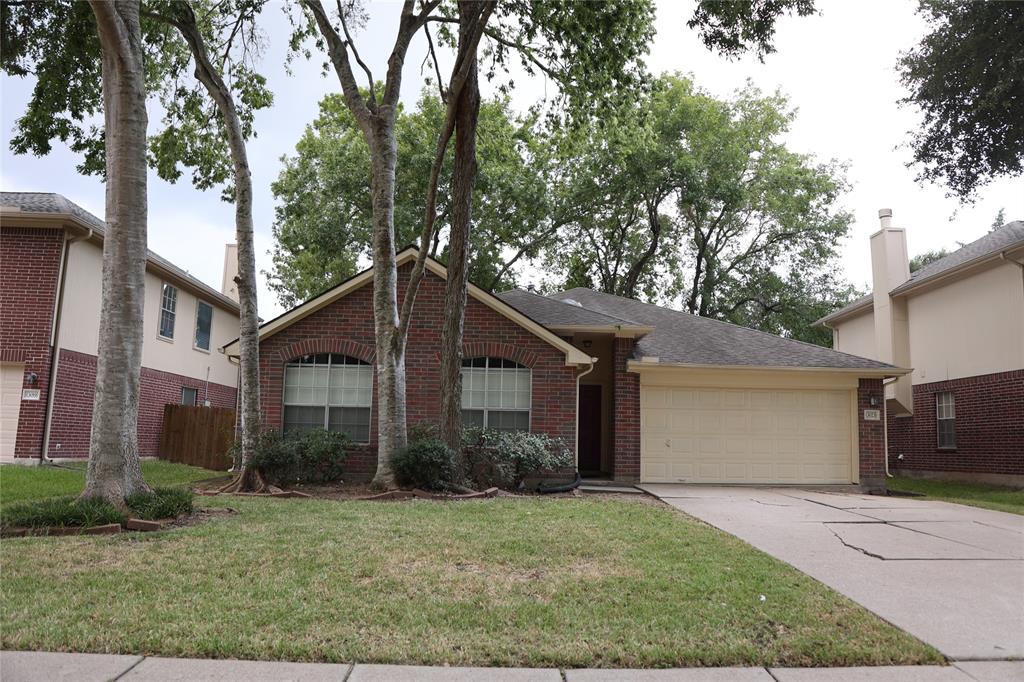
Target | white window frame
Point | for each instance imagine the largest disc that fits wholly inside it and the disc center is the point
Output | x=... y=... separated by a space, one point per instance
x=173 y=311
x=945 y=411
x=327 y=405
x=195 y=333
x=488 y=374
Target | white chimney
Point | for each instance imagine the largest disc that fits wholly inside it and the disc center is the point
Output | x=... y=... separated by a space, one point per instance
x=228 y=287
x=890 y=267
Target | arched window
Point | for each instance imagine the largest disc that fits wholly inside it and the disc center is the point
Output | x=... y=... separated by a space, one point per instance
x=496 y=394
x=328 y=391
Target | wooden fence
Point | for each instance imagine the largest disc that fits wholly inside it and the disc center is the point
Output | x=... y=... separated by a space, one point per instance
x=200 y=436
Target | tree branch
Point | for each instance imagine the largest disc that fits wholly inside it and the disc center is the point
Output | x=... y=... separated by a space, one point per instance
x=355 y=53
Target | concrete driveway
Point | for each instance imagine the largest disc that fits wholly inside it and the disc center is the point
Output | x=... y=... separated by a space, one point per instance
x=949 y=574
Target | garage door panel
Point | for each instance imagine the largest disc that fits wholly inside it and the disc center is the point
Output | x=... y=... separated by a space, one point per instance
x=10 y=406
x=730 y=435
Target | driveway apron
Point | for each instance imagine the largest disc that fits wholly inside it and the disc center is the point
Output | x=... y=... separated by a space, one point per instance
x=949 y=574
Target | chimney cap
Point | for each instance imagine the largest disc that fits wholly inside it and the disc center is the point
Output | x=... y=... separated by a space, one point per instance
x=885 y=213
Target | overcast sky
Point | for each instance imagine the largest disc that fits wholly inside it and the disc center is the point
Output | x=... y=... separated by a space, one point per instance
x=838 y=69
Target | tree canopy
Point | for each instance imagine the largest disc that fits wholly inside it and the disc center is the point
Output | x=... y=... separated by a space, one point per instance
x=694 y=199
x=57 y=43
x=323 y=216
x=967 y=78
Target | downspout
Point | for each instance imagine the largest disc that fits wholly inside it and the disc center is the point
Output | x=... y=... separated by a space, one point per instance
x=885 y=433
x=579 y=376
x=51 y=383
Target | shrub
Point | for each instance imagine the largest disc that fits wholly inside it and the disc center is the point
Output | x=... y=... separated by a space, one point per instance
x=162 y=503
x=61 y=511
x=427 y=463
x=504 y=458
x=316 y=456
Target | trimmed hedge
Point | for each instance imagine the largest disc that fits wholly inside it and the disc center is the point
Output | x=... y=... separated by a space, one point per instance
x=72 y=512
x=316 y=456
x=428 y=464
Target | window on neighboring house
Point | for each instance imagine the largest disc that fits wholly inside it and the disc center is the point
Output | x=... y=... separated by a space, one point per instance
x=168 y=304
x=189 y=395
x=204 y=320
x=945 y=419
x=328 y=391
x=496 y=394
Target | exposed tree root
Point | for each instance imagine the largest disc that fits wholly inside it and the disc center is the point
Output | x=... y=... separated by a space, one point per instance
x=248 y=480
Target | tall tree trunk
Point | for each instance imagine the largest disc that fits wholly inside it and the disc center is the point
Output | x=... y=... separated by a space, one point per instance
x=464 y=172
x=249 y=339
x=392 y=434
x=114 y=472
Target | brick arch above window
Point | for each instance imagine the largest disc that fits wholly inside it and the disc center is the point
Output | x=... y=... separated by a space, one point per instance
x=495 y=349
x=347 y=347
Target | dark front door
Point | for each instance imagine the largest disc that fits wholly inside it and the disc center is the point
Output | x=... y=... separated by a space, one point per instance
x=590 y=429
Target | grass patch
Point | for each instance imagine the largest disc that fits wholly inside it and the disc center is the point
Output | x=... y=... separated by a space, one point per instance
x=162 y=503
x=994 y=497
x=545 y=582
x=19 y=483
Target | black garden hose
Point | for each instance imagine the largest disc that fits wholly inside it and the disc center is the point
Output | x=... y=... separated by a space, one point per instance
x=564 y=488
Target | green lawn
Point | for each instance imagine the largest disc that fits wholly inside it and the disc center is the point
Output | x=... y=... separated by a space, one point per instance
x=975 y=494
x=18 y=482
x=539 y=582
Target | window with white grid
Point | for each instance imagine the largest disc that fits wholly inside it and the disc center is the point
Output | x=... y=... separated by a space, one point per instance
x=168 y=305
x=496 y=394
x=328 y=391
x=945 y=419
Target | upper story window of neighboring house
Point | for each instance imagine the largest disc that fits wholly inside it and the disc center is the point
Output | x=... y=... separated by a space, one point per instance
x=328 y=391
x=204 y=320
x=168 y=304
x=496 y=394
x=189 y=396
x=945 y=417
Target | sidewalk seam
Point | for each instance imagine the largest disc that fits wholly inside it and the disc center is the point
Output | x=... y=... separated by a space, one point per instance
x=130 y=668
x=348 y=673
x=770 y=673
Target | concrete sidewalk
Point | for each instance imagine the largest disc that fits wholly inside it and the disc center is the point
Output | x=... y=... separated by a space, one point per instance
x=30 y=666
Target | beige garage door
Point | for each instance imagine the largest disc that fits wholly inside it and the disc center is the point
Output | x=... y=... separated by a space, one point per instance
x=738 y=435
x=10 y=405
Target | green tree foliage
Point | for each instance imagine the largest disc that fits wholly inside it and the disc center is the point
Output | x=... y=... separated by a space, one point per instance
x=56 y=43
x=737 y=26
x=323 y=216
x=967 y=77
x=926 y=258
x=695 y=198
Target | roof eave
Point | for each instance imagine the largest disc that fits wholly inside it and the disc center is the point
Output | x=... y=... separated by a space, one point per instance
x=843 y=313
x=866 y=372
x=951 y=273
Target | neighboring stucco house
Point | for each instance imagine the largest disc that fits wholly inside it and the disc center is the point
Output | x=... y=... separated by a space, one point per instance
x=51 y=262
x=959 y=323
x=640 y=392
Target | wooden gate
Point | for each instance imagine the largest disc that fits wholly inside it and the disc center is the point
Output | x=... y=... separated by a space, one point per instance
x=200 y=436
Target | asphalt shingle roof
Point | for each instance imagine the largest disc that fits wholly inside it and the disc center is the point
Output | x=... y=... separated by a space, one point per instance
x=52 y=203
x=1000 y=239
x=552 y=312
x=680 y=337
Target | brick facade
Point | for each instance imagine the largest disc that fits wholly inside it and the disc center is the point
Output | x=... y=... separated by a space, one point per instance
x=29 y=276
x=625 y=415
x=346 y=326
x=989 y=428
x=72 y=409
x=871 y=434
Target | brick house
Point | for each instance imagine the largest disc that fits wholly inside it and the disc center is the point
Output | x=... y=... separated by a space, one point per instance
x=51 y=259
x=637 y=391
x=959 y=322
